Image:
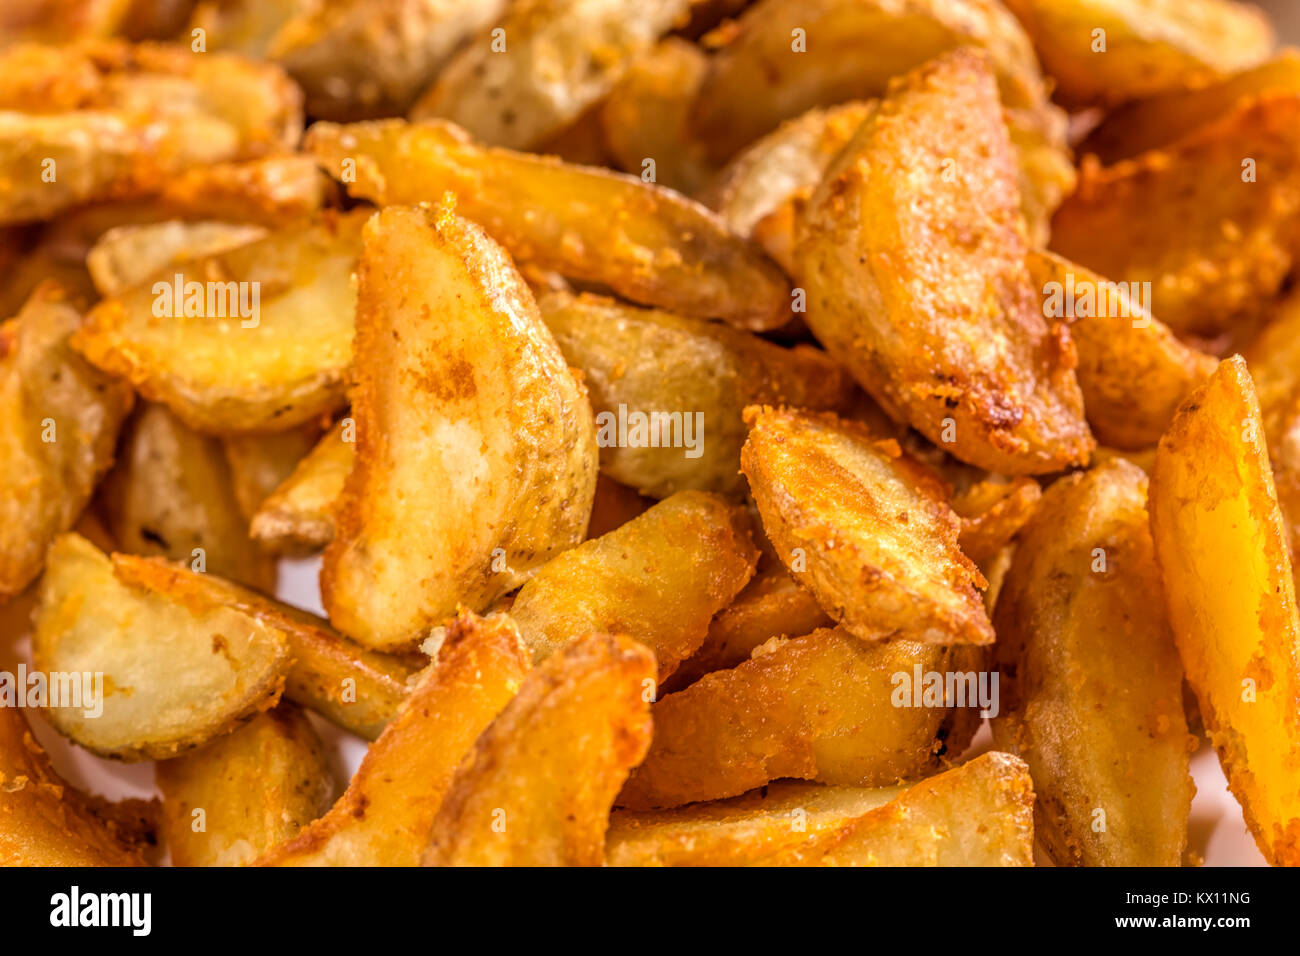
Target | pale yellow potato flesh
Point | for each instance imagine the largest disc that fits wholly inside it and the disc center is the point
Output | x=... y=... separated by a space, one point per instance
x=1133 y=372
x=298 y=516
x=537 y=787
x=658 y=579
x=171 y=494
x=818 y=707
x=550 y=60
x=227 y=802
x=913 y=257
x=44 y=821
x=476 y=450
x=260 y=462
x=690 y=385
x=384 y=816
x=1110 y=51
x=1221 y=545
x=978 y=814
x=647 y=243
x=117 y=119
x=865 y=527
x=259 y=338
x=125 y=256
x=1092 y=687
x=59 y=420
x=178 y=669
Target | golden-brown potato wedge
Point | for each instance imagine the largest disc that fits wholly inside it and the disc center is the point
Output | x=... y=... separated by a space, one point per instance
x=260 y=462
x=274 y=191
x=913 y=255
x=1221 y=544
x=542 y=65
x=673 y=419
x=1158 y=121
x=132 y=115
x=383 y=818
x=1210 y=222
x=270 y=343
x=46 y=822
x=1092 y=689
x=125 y=256
x=826 y=706
x=155 y=19
x=647 y=243
x=358 y=689
x=865 y=527
x=992 y=513
x=175 y=669
x=537 y=787
x=60 y=21
x=59 y=420
x=788 y=56
x=227 y=802
x=659 y=579
x=1100 y=51
x=646 y=117
x=772 y=605
x=170 y=494
x=1132 y=371
x=298 y=517
x=978 y=814
x=1045 y=170
x=476 y=452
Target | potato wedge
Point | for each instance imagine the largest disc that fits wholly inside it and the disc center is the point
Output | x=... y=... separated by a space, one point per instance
x=298 y=517
x=772 y=605
x=537 y=787
x=913 y=255
x=1092 y=688
x=227 y=802
x=127 y=255
x=266 y=347
x=274 y=191
x=356 y=688
x=384 y=816
x=177 y=669
x=1044 y=165
x=658 y=579
x=260 y=462
x=614 y=506
x=818 y=707
x=646 y=116
x=1132 y=371
x=1103 y=52
x=865 y=527
x=851 y=49
x=992 y=513
x=1221 y=545
x=978 y=814
x=674 y=420
x=647 y=243
x=63 y=21
x=170 y=494
x=1160 y=121
x=46 y=822
x=1210 y=221
x=59 y=420
x=542 y=64
x=474 y=424
x=134 y=115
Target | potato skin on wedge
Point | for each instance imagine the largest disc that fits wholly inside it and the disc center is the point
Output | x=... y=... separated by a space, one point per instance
x=384 y=816
x=537 y=787
x=818 y=707
x=650 y=245
x=178 y=668
x=1091 y=683
x=48 y=391
x=476 y=447
x=913 y=256
x=658 y=579
x=1221 y=544
x=255 y=787
x=865 y=527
